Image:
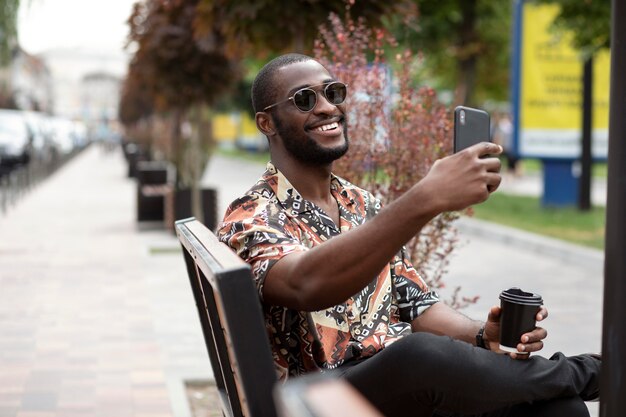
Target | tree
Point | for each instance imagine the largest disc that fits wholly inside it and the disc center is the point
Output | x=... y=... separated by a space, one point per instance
x=271 y=26
x=466 y=44
x=176 y=72
x=396 y=130
x=8 y=29
x=137 y=99
x=589 y=22
x=181 y=66
x=8 y=44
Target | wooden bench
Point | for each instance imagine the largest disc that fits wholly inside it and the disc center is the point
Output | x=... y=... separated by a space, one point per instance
x=236 y=340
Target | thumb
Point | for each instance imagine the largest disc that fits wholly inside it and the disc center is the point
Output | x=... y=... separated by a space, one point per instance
x=494 y=314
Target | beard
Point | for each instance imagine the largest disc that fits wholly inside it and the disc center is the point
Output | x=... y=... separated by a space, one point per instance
x=305 y=149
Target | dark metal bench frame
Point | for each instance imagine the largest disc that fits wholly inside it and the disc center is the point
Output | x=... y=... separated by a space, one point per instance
x=238 y=345
x=232 y=322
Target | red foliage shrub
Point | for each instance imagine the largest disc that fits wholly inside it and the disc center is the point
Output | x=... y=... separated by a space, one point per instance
x=396 y=132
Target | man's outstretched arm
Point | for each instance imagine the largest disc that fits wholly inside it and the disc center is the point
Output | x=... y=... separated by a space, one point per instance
x=336 y=270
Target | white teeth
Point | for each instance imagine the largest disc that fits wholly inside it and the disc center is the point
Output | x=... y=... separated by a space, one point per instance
x=324 y=128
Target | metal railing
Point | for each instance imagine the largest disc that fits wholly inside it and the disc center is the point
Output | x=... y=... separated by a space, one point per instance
x=18 y=180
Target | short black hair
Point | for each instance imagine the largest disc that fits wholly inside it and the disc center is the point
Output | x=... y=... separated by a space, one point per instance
x=263 y=93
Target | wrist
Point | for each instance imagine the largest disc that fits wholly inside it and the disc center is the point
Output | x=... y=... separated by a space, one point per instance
x=428 y=199
x=481 y=342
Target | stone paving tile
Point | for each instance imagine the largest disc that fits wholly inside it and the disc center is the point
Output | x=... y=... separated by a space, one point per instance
x=80 y=294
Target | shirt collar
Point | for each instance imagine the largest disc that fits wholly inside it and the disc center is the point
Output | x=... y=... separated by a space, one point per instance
x=291 y=199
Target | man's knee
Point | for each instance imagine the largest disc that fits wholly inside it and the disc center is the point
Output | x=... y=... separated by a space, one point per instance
x=426 y=350
x=420 y=361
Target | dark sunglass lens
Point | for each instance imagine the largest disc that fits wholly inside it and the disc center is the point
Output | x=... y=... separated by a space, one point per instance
x=305 y=99
x=336 y=93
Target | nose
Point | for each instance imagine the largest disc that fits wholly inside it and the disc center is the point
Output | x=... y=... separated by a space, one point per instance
x=323 y=106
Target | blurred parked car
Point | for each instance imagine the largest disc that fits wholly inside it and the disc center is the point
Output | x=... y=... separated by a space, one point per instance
x=15 y=140
x=67 y=135
x=42 y=147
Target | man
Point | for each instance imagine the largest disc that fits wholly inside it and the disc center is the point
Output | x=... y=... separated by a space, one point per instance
x=337 y=289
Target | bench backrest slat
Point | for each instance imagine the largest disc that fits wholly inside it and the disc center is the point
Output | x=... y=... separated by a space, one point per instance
x=232 y=322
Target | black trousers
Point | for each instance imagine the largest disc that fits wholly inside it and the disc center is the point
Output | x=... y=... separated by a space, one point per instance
x=428 y=375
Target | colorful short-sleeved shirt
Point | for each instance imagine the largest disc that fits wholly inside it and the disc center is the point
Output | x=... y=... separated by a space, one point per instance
x=272 y=220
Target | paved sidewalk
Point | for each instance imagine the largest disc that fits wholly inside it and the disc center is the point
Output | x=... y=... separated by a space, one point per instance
x=92 y=322
x=97 y=319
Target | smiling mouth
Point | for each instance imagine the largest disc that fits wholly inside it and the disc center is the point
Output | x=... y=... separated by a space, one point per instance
x=327 y=127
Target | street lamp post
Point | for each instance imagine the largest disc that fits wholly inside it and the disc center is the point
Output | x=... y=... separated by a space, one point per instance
x=613 y=384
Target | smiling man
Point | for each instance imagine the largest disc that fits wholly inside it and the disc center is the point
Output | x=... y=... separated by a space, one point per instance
x=338 y=290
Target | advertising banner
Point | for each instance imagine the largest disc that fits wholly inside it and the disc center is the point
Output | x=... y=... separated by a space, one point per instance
x=549 y=90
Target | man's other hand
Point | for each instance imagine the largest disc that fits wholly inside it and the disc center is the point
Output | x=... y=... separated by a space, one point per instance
x=530 y=342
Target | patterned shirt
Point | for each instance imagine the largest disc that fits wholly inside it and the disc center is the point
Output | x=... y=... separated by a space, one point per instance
x=273 y=220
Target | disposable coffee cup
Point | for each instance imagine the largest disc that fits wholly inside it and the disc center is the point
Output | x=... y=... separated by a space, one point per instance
x=518 y=316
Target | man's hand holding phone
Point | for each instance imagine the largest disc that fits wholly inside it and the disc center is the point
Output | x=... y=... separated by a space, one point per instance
x=471 y=127
x=465 y=178
x=472 y=173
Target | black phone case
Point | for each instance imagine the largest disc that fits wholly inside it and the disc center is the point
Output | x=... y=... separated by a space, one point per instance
x=472 y=130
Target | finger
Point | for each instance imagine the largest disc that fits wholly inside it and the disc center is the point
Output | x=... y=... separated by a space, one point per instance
x=535 y=336
x=494 y=314
x=530 y=347
x=519 y=356
x=486 y=148
x=493 y=182
x=542 y=314
x=492 y=164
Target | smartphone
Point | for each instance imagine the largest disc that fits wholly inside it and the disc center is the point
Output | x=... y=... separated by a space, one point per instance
x=471 y=126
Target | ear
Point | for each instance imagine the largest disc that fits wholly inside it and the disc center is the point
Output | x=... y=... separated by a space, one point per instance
x=265 y=123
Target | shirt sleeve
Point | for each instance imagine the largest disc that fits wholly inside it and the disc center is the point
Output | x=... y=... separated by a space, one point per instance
x=260 y=235
x=411 y=293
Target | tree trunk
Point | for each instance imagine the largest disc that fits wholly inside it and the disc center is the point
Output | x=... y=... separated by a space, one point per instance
x=199 y=154
x=467 y=52
x=197 y=163
x=177 y=145
x=586 y=159
x=466 y=80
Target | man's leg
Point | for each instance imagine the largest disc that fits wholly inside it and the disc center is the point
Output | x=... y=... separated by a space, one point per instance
x=565 y=407
x=422 y=372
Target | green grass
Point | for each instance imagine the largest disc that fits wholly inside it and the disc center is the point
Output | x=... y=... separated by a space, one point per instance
x=534 y=166
x=526 y=213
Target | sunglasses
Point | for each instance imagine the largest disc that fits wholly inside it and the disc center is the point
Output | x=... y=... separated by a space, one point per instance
x=305 y=99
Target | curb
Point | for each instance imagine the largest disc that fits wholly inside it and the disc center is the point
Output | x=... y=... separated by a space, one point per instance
x=543 y=245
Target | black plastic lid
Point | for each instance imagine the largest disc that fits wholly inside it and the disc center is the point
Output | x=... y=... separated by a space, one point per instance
x=519 y=296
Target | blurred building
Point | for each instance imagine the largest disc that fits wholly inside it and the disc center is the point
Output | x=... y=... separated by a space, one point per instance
x=100 y=93
x=77 y=73
x=26 y=83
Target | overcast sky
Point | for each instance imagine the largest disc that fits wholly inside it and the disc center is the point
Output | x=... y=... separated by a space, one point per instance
x=98 y=25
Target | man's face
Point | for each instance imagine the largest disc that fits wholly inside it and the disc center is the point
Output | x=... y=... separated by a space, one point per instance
x=319 y=136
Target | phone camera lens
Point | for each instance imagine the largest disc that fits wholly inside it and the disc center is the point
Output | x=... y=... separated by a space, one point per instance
x=462 y=117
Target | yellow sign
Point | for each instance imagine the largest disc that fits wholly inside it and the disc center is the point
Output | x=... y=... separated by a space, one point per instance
x=225 y=127
x=238 y=129
x=551 y=90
